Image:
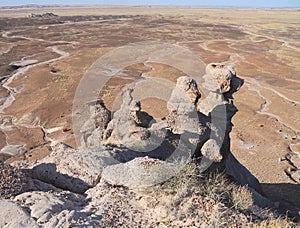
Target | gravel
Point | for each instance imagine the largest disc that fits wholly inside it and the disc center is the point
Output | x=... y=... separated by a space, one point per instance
x=12 y=181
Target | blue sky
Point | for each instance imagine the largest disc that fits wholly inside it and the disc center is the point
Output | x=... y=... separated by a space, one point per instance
x=240 y=3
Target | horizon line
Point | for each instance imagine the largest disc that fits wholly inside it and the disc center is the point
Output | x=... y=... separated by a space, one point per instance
x=147 y=5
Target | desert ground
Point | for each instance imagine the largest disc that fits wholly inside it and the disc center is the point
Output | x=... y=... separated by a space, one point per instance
x=43 y=59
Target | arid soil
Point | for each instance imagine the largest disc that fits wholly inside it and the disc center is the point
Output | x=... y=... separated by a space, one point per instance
x=43 y=59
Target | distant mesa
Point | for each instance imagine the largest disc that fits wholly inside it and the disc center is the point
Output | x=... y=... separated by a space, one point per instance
x=44 y=15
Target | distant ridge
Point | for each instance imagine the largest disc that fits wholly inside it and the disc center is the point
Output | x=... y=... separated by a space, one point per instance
x=145 y=5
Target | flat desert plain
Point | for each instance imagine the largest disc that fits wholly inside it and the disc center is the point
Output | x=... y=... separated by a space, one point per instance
x=43 y=59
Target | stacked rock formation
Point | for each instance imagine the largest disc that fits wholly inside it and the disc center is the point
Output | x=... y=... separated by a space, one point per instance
x=191 y=129
x=98 y=185
x=220 y=83
x=93 y=129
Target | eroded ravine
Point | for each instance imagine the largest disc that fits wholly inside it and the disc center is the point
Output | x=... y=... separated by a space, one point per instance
x=12 y=92
x=253 y=85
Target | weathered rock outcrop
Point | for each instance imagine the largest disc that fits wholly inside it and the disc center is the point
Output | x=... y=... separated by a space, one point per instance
x=140 y=172
x=113 y=206
x=73 y=169
x=13 y=215
x=185 y=133
x=133 y=128
x=221 y=82
x=99 y=185
x=93 y=129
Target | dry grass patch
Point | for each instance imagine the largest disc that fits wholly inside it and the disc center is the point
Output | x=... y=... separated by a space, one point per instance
x=276 y=223
x=175 y=195
x=242 y=198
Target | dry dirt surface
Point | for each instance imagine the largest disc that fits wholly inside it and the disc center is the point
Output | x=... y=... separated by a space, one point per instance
x=43 y=59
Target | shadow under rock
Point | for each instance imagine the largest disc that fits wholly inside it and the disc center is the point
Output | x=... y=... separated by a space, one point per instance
x=287 y=194
x=241 y=174
x=162 y=152
x=167 y=150
x=47 y=172
x=73 y=206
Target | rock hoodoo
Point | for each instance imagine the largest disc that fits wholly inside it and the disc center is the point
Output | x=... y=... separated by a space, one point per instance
x=128 y=150
x=193 y=128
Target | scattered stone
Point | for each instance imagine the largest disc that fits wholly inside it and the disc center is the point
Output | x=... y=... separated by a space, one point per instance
x=295 y=160
x=293 y=173
x=12 y=181
x=54 y=70
x=296 y=176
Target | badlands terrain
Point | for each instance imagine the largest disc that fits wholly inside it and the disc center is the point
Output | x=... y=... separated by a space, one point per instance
x=42 y=61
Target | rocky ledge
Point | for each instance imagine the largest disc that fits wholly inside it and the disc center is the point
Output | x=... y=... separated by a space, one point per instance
x=133 y=170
